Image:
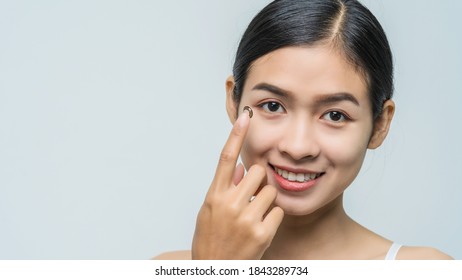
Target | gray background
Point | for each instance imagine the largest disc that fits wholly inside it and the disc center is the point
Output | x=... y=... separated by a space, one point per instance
x=112 y=118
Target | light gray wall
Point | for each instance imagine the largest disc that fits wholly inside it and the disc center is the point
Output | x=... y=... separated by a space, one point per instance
x=112 y=118
x=409 y=190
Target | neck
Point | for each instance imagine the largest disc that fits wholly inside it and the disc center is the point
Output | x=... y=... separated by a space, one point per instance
x=319 y=235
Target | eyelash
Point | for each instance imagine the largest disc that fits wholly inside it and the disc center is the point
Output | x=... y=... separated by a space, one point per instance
x=263 y=105
x=344 y=117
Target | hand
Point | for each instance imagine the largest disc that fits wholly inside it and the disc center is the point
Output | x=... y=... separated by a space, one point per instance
x=229 y=225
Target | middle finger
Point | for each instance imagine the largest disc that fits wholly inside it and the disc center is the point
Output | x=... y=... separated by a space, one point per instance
x=255 y=178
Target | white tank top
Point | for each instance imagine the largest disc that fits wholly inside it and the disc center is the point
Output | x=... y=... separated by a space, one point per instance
x=392 y=252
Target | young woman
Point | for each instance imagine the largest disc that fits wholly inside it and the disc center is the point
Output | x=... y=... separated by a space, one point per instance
x=310 y=93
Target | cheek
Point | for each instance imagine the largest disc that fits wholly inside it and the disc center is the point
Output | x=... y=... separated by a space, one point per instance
x=260 y=139
x=347 y=149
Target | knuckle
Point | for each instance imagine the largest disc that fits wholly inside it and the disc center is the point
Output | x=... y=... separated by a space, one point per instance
x=209 y=201
x=212 y=199
x=260 y=235
x=218 y=205
x=246 y=222
x=226 y=156
x=233 y=209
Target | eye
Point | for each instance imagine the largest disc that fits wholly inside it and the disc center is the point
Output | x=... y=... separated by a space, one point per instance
x=272 y=107
x=335 y=116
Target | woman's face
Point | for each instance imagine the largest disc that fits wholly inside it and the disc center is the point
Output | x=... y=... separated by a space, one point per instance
x=311 y=126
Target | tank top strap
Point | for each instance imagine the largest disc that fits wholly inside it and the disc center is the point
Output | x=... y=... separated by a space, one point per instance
x=393 y=251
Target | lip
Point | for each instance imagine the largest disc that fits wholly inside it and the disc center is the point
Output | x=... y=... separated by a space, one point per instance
x=291 y=186
x=294 y=170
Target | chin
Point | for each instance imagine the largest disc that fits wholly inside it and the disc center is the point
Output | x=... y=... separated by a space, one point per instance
x=295 y=206
x=303 y=205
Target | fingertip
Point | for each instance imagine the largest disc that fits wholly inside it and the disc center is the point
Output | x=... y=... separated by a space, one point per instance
x=279 y=209
x=258 y=169
x=274 y=217
x=279 y=213
x=243 y=120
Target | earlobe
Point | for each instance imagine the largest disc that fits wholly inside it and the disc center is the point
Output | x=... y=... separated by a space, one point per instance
x=382 y=125
x=231 y=108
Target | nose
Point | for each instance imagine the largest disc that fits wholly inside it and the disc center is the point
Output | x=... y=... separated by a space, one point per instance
x=299 y=140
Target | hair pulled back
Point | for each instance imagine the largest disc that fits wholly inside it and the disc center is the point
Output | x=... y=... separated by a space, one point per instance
x=347 y=24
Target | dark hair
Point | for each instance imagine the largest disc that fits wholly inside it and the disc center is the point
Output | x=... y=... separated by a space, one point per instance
x=345 y=23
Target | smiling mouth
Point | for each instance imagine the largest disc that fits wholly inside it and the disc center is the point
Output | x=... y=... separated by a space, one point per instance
x=296 y=177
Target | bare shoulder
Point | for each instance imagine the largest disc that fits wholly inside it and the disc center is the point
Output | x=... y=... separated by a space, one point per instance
x=174 y=255
x=421 y=253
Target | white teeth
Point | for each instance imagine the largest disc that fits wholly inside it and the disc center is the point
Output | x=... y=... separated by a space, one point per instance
x=296 y=177
x=292 y=176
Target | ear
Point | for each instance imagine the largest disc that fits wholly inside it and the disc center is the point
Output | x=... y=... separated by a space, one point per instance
x=231 y=105
x=382 y=125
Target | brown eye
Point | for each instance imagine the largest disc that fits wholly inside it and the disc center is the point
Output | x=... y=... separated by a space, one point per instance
x=272 y=107
x=335 y=116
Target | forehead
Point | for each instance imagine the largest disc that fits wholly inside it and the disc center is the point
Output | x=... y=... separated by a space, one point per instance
x=308 y=70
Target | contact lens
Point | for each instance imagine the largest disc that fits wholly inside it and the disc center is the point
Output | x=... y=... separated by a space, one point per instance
x=247 y=108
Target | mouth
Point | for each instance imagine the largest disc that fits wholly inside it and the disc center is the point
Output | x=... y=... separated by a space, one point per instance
x=295 y=179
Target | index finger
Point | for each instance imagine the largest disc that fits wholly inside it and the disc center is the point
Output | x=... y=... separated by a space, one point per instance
x=230 y=153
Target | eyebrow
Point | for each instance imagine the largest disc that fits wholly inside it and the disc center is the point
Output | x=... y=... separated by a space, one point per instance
x=319 y=100
x=273 y=89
